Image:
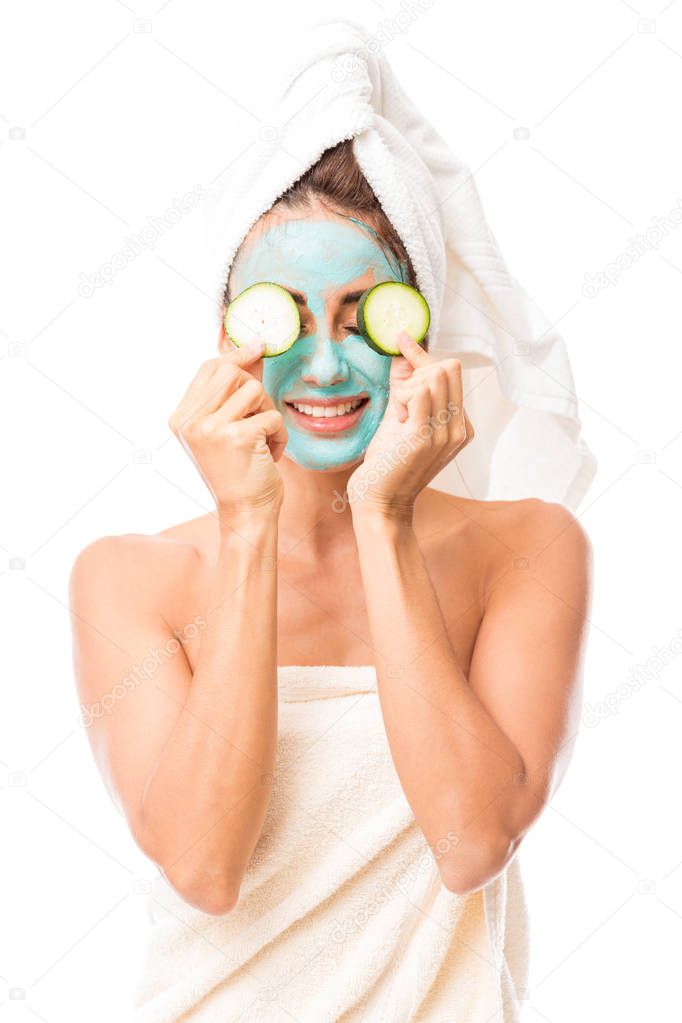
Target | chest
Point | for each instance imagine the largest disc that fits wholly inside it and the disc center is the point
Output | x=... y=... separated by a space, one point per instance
x=322 y=614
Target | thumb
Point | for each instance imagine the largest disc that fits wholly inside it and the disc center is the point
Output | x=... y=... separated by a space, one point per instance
x=249 y=358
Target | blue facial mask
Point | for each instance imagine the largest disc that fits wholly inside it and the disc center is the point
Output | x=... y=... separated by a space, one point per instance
x=317 y=258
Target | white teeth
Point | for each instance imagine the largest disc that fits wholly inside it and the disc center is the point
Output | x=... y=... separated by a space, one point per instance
x=327 y=411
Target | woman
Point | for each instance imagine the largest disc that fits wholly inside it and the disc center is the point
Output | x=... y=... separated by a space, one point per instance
x=376 y=685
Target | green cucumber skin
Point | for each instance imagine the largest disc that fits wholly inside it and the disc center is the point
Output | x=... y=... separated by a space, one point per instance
x=362 y=324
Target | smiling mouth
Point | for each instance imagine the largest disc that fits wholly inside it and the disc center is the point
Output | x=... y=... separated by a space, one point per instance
x=328 y=408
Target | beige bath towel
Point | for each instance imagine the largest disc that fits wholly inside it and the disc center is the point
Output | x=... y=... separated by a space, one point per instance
x=342 y=916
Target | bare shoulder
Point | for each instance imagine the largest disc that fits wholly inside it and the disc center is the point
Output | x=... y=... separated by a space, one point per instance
x=543 y=536
x=547 y=564
x=143 y=566
x=537 y=524
x=527 y=520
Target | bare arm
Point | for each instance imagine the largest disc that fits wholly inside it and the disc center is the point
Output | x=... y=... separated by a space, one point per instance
x=478 y=756
x=188 y=757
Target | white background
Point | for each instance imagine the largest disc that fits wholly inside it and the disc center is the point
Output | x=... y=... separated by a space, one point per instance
x=119 y=122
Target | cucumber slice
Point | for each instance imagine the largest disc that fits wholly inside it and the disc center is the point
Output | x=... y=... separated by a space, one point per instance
x=263 y=312
x=386 y=309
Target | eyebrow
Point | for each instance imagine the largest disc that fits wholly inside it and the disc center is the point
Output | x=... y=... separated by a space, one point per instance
x=298 y=298
x=353 y=296
x=301 y=300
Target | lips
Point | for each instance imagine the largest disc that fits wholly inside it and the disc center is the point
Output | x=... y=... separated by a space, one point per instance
x=337 y=399
x=327 y=415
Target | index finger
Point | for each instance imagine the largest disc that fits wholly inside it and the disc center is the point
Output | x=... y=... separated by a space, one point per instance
x=216 y=380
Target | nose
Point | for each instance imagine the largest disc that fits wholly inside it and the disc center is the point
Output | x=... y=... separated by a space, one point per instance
x=327 y=363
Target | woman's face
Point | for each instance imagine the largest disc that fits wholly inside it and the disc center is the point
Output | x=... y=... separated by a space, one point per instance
x=326 y=262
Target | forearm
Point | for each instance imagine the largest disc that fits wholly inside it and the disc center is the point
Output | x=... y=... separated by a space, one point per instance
x=204 y=805
x=459 y=771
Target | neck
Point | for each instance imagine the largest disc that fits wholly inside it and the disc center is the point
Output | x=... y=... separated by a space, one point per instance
x=315 y=515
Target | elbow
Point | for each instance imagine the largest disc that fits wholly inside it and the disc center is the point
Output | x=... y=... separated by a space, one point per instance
x=212 y=890
x=214 y=901
x=214 y=894
x=471 y=867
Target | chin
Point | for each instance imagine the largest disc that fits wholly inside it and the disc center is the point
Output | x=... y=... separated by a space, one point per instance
x=337 y=467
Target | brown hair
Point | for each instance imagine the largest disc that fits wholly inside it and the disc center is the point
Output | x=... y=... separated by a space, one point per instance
x=337 y=181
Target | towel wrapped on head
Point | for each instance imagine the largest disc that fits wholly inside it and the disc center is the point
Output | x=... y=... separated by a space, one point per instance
x=518 y=384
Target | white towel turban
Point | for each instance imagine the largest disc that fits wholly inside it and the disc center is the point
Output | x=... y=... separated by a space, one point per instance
x=518 y=385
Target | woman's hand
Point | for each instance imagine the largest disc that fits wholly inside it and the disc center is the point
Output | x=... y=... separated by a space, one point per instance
x=232 y=431
x=423 y=428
